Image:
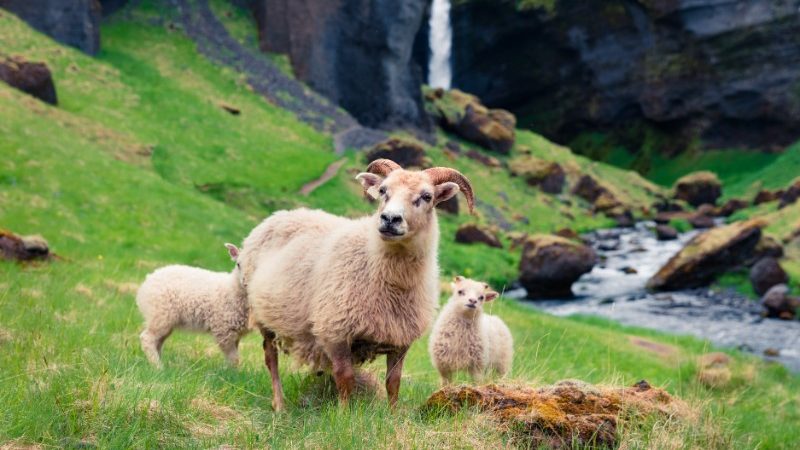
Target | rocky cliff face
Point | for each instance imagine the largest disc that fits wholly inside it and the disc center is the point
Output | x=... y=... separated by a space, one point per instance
x=71 y=22
x=355 y=52
x=724 y=73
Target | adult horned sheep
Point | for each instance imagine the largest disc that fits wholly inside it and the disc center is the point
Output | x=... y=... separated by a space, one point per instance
x=335 y=292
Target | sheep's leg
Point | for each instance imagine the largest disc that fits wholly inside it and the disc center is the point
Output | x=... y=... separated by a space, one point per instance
x=477 y=373
x=343 y=373
x=447 y=377
x=271 y=361
x=394 y=370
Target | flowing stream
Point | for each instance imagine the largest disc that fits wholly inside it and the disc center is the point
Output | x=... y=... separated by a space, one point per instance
x=614 y=291
x=440 y=41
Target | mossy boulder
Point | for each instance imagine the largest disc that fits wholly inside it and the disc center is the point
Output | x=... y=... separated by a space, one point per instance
x=23 y=248
x=549 y=176
x=551 y=264
x=568 y=414
x=707 y=256
x=698 y=188
x=471 y=233
x=465 y=115
x=404 y=151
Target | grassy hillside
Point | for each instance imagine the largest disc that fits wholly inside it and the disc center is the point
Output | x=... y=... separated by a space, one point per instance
x=139 y=166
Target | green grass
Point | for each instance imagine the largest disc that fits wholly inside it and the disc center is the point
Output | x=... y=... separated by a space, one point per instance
x=139 y=167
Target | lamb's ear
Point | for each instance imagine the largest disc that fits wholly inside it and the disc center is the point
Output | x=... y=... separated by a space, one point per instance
x=489 y=296
x=458 y=279
x=370 y=183
x=232 y=250
x=445 y=191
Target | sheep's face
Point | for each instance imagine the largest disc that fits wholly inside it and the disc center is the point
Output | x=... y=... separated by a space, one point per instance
x=407 y=200
x=470 y=295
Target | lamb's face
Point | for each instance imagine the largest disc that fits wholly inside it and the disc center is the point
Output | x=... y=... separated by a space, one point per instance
x=470 y=295
x=407 y=200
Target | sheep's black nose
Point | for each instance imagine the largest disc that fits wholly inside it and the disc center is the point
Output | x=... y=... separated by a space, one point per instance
x=391 y=219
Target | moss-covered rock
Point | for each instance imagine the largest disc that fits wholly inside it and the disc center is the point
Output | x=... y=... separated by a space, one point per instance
x=471 y=233
x=23 y=248
x=465 y=115
x=698 y=188
x=568 y=414
x=550 y=264
x=549 y=176
x=707 y=256
x=404 y=151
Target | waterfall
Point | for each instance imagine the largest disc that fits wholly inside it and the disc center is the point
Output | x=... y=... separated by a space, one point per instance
x=440 y=40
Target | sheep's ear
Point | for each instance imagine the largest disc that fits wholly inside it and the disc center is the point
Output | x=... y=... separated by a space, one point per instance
x=489 y=296
x=445 y=191
x=370 y=183
x=458 y=279
x=232 y=250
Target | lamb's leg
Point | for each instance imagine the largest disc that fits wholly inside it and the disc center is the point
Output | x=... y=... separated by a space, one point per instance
x=394 y=370
x=271 y=361
x=152 y=340
x=230 y=347
x=343 y=373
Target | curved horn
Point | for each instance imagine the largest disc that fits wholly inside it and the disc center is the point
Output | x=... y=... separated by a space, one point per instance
x=382 y=167
x=441 y=175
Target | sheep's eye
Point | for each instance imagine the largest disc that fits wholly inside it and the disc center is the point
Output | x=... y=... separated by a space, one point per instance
x=480 y=298
x=461 y=292
x=382 y=190
x=426 y=197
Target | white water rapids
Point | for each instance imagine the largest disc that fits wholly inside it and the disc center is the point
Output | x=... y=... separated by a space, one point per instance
x=440 y=41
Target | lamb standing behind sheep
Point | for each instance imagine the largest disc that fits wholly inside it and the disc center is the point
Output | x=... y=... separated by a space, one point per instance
x=466 y=339
x=334 y=292
x=196 y=299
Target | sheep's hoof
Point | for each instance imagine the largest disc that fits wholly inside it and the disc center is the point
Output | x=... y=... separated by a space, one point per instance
x=278 y=406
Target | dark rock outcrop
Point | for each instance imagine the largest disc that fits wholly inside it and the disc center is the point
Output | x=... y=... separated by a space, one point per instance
x=668 y=72
x=471 y=233
x=355 y=52
x=707 y=256
x=72 y=22
x=551 y=264
x=766 y=273
x=406 y=152
x=33 y=78
x=698 y=188
x=779 y=303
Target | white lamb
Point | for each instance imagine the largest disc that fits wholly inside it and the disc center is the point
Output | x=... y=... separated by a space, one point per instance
x=195 y=299
x=466 y=339
x=334 y=292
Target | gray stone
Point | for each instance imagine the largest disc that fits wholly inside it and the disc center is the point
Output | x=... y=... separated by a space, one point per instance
x=72 y=22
